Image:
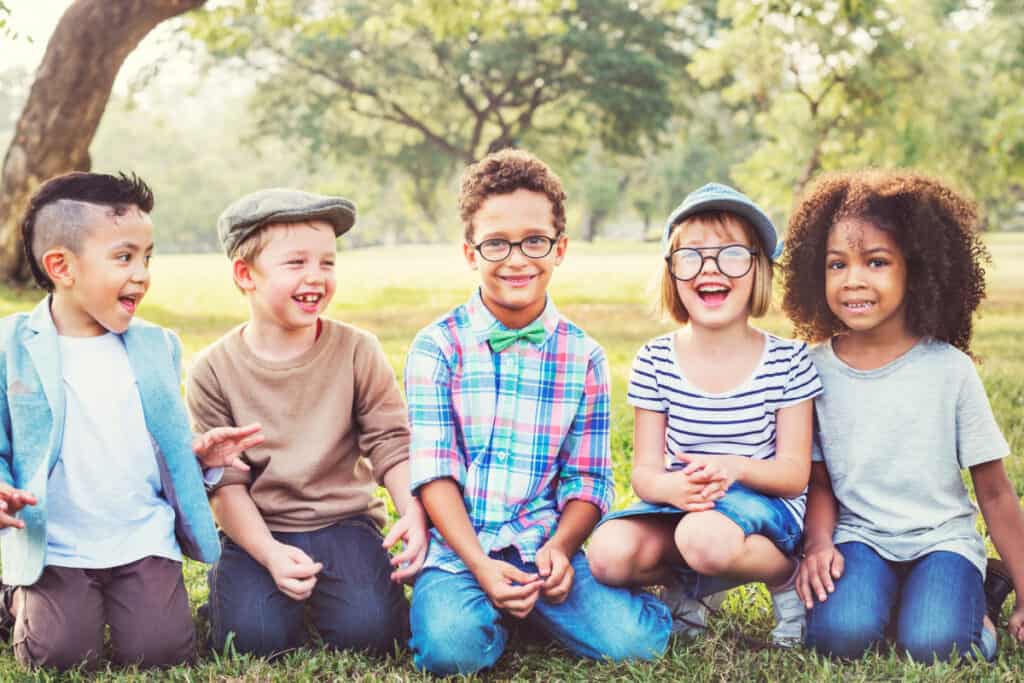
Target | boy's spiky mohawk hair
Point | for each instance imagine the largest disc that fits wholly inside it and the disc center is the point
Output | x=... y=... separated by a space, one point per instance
x=45 y=227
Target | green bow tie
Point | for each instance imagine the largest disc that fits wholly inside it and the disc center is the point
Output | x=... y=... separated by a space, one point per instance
x=502 y=339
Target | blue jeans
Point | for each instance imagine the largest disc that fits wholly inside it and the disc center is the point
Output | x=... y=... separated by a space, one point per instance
x=937 y=602
x=456 y=628
x=753 y=512
x=354 y=604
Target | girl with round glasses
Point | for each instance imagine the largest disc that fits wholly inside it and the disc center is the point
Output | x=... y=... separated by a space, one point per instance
x=722 y=433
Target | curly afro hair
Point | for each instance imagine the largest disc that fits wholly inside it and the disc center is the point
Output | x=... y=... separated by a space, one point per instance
x=505 y=172
x=934 y=226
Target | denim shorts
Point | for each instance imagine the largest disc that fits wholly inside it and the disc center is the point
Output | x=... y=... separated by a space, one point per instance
x=753 y=512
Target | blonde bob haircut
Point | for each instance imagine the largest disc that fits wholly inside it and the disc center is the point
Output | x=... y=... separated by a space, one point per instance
x=760 y=295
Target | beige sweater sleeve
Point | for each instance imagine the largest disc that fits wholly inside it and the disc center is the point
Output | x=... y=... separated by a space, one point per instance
x=208 y=408
x=379 y=409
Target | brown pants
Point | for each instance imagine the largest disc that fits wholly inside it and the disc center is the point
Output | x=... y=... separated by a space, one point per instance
x=60 y=618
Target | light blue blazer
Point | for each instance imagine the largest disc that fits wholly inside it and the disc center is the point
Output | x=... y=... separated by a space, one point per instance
x=32 y=407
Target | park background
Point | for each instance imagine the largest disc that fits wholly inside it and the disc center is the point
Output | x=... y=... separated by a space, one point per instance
x=635 y=103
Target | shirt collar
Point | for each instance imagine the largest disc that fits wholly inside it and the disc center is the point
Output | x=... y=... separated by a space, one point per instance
x=483 y=322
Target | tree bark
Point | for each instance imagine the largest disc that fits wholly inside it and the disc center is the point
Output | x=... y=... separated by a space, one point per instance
x=66 y=102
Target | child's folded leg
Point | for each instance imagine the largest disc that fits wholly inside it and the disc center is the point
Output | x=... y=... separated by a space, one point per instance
x=355 y=603
x=854 y=617
x=455 y=628
x=942 y=608
x=147 y=609
x=59 y=620
x=605 y=622
x=245 y=602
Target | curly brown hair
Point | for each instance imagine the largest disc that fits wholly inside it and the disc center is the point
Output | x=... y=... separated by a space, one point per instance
x=934 y=226
x=505 y=172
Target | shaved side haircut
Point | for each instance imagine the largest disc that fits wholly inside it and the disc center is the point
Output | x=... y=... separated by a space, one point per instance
x=59 y=213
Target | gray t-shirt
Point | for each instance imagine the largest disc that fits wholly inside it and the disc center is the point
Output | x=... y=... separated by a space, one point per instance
x=895 y=440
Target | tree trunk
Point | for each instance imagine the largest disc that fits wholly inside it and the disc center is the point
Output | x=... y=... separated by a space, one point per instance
x=66 y=102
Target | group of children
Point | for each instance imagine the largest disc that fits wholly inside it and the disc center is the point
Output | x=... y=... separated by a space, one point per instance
x=832 y=473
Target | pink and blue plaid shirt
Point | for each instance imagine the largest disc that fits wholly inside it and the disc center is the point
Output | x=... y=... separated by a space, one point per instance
x=522 y=432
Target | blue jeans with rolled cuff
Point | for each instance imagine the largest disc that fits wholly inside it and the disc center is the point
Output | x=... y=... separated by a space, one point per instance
x=933 y=606
x=457 y=630
x=354 y=605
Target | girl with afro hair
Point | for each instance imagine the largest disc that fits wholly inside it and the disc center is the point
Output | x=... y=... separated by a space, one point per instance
x=885 y=270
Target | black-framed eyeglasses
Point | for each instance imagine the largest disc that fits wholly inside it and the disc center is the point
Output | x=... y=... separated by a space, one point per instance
x=497 y=249
x=732 y=260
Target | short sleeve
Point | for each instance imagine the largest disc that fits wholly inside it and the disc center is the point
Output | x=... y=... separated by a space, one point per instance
x=644 y=391
x=802 y=381
x=978 y=437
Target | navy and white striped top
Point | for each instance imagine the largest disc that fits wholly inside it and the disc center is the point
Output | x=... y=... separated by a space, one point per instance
x=737 y=422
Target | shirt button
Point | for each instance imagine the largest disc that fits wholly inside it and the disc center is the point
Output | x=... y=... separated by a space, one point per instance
x=502 y=456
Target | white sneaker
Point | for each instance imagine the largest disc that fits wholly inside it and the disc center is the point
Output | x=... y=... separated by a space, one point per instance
x=790 y=619
x=689 y=615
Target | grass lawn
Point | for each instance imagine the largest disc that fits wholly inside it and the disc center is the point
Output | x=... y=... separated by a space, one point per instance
x=604 y=288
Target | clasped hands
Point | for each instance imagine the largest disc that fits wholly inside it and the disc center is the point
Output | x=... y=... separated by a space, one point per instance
x=699 y=480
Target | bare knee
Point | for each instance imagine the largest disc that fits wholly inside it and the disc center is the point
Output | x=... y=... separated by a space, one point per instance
x=706 y=545
x=612 y=557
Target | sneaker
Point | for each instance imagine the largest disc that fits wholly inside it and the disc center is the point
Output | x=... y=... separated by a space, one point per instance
x=998 y=586
x=689 y=615
x=790 y=619
x=6 y=616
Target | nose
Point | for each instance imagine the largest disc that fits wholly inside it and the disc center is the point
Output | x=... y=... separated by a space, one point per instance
x=853 y=276
x=140 y=273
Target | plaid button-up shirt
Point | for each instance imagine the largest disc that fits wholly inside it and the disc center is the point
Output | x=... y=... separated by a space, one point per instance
x=522 y=432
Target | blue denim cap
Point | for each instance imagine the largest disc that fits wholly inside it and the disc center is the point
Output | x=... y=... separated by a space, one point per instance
x=718 y=197
x=281 y=205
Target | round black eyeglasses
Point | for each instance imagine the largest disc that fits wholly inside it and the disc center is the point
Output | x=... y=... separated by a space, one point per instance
x=732 y=260
x=534 y=246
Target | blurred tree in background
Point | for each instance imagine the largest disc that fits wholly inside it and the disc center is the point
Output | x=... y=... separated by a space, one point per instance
x=634 y=103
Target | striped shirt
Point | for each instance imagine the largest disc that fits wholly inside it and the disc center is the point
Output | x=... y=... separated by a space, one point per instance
x=737 y=422
x=522 y=432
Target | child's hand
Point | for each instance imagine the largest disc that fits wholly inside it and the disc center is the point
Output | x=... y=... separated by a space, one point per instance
x=719 y=471
x=11 y=501
x=293 y=571
x=820 y=568
x=412 y=529
x=692 y=493
x=554 y=567
x=223 y=446
x=509 y=588
x=1016 y=624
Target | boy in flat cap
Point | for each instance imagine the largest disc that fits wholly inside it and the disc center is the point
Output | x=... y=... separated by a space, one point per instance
x=302 y=529
x=100 y=492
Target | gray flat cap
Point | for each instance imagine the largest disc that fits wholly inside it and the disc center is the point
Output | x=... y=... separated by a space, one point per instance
x=281 y=205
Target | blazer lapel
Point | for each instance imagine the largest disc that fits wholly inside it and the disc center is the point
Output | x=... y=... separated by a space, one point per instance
x=44 y=350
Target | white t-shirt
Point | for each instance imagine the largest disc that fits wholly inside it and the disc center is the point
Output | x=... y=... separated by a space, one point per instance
x=736 y=422
x=105 y=505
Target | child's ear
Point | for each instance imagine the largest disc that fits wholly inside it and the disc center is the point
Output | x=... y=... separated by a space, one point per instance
x=59 y=266
x=469 y=251
x=241 y=270
x=560 y=247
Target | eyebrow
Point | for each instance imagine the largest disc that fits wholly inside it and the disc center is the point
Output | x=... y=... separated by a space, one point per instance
x=872 y=250
x=130 y=245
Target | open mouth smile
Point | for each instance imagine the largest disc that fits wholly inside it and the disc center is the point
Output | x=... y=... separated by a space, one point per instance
x=308 y=302
x=713 y=294
x=858 y=306
x=129 y=302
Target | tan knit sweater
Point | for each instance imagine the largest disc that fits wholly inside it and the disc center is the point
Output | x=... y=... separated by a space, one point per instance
x=333 y=421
